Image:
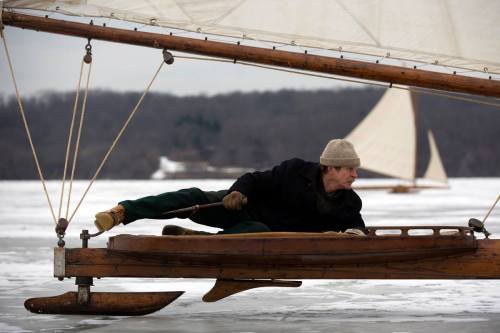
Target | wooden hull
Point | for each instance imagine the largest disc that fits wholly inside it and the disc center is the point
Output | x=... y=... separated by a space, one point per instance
x=303 y=256
x=245 y=261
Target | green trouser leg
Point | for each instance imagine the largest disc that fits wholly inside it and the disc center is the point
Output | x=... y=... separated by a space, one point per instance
x=152 y=207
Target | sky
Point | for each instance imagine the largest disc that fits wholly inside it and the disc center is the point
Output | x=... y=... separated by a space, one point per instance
x=44 y=61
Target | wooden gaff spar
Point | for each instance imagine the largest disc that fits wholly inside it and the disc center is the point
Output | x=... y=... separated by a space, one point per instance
x=301 y=61
x=245 y=261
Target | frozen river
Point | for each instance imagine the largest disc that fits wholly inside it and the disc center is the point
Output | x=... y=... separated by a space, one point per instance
x=27 y=237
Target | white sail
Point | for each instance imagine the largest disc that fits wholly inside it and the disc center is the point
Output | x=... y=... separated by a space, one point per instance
x=435 y=169
x=386 y=138
x=447 y=32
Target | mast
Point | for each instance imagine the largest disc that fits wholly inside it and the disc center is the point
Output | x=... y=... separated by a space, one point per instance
x=301 y=61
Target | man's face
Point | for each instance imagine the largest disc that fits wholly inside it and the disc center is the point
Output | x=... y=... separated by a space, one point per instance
x=339 y=179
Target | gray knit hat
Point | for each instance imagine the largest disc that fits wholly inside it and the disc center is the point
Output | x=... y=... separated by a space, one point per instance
x=339 y=153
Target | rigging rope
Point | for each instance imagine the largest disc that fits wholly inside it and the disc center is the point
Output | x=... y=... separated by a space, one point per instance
x=26 y=127
x=75 y=155
x=77 y=145
x=68 y=145
x=82 y=115
x=117 y=138
x=332 y=77
x=491 y=209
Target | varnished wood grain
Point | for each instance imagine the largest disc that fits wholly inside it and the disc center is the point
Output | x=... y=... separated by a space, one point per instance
x=315 y=63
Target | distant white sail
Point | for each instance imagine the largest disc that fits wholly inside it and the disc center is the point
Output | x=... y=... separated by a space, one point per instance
x=435 y=169
x=448 y=32
x=386 y=138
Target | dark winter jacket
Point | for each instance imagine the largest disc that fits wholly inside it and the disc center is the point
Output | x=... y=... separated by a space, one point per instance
x=291 y=197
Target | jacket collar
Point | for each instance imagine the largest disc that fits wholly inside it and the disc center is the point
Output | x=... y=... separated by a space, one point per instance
x=311 y=172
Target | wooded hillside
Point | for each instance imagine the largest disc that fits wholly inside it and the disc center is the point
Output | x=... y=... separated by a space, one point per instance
x=254 y=130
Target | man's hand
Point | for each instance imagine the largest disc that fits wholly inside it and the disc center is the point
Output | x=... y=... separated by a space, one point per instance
x=234 y=201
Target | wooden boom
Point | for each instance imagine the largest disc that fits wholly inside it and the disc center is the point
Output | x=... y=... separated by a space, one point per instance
x=308 y=62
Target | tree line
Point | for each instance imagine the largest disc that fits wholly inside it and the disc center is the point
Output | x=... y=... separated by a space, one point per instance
x=254 y=130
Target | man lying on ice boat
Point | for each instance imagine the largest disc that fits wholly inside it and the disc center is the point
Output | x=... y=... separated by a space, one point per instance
x=297 y=196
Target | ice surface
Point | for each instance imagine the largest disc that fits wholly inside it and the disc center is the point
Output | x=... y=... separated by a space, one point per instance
x=27 y=237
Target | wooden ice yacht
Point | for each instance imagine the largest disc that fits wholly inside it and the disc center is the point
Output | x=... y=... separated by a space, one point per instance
x=276 y=259
x=245 y=261
x=387 y=143
x=240 y=262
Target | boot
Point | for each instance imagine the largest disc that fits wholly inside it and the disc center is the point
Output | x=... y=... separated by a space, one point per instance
x=180 y=231
x=104 y=221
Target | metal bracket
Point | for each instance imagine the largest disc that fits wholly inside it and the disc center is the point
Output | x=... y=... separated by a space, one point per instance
x=478 y=226
x=59 y=262
x=87 y=58
x=85 y=236
x=168 y=57
x=84 y=283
